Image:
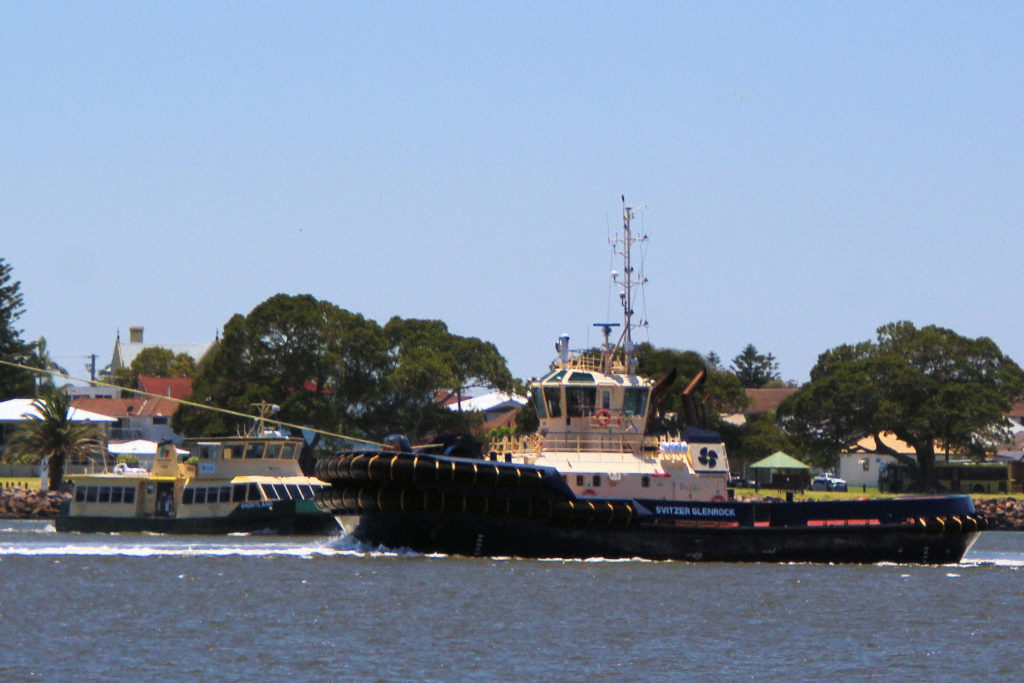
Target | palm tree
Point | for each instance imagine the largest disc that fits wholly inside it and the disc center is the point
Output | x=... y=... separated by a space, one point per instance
x=50 y=434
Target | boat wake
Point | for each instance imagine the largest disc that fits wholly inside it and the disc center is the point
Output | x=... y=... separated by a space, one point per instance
x=44 y=541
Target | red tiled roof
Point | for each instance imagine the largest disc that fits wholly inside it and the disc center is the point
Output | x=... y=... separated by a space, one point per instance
x=172 y=387
x=123 y=407
x=763 y=400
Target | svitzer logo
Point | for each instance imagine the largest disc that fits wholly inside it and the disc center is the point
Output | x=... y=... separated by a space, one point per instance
x=708 y=458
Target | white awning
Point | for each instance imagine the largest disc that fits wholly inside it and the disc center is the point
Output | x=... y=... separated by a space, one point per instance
x=19 y=410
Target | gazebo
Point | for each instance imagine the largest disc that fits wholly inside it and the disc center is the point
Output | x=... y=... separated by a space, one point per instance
x=781 y=471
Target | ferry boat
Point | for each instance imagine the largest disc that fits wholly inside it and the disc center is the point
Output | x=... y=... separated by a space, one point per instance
x=250 y=483
x=594 y=481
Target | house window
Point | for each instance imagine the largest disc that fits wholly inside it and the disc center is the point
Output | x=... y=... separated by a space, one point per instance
x=160 y=420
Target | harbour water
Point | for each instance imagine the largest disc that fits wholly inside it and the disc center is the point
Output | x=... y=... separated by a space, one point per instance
x=240 y=607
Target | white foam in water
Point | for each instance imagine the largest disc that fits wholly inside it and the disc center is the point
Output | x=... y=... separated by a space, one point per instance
x=43 y=540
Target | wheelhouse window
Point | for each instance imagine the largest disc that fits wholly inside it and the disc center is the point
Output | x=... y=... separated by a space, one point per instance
x=233 y=452
x=289 y=450
x=208 y=451
x=579 y=401
x=538 y=404
x=273 y=451
x=254 y=450
x=553 y=398
x=635 y=401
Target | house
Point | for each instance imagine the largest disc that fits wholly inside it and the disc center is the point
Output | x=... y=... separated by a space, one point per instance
x=142 y=417
x=125 y=352
x=761 y=401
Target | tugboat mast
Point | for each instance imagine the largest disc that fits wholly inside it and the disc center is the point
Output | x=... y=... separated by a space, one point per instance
x=628 y=282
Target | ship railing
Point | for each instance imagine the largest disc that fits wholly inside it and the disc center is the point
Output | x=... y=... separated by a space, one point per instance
x=594 y=362
x=531 y=446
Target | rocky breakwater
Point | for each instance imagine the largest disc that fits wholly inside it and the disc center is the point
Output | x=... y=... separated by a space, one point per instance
x=18 y=503
x=1003 y=514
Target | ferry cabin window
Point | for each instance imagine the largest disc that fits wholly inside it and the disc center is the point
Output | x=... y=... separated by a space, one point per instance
x=116 y=493
x=225 y=494
x=208 y=451
x=254 y=450
x=254 y=492
x=104 y=494
x=238 y=493
x=597 y=480
x=606 y=400
x=211 y=495
x=307 y=490
x=200 y=495
x=282 y=491
x=645 y=481
x=90 y=494
x=273 y=451
x=129 y=494
x=232 y=452
x=187 y=495
x=635 y=402
x=293 y=491
x=269 y=492
x=553 y=397
x=288 y=451
x=579 y=401
x=579 y=480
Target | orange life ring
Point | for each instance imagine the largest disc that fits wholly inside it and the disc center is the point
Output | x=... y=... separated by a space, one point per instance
x=603 y=417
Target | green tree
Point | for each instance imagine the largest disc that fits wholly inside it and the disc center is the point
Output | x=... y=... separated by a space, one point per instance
x=322 y=365
x=755 y=370
x=51 y=435
x=335 y=370
x=928 y=386
x=424 y=357
x=14 y=382
x=758 y=438
x=721 y=391
x=155 y=361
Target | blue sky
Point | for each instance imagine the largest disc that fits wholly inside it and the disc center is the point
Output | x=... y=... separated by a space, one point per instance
x=809 y=171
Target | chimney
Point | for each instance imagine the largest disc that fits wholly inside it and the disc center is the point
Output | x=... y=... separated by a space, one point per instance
x=135 y=334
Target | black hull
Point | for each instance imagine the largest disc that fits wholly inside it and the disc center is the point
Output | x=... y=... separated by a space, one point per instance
x=437 y=504
x=478 y=535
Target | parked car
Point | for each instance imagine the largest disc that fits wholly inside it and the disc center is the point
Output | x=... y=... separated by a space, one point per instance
x=827 y=482
x=738 y=482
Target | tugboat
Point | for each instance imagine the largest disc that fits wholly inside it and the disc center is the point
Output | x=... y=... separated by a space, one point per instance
x=248 y=483
x=594 y=481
